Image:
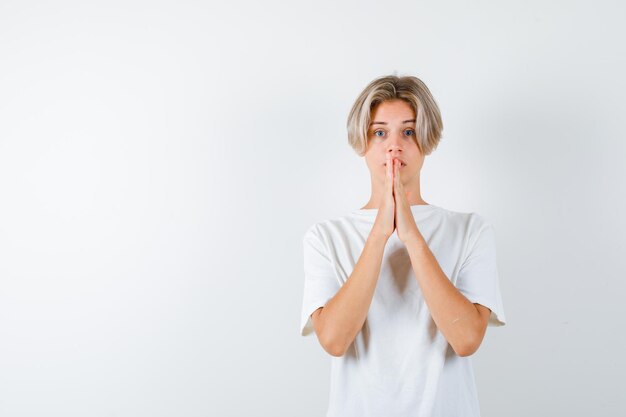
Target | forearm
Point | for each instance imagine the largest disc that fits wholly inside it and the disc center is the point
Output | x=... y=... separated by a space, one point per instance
x=344 y=314
x=455 y=316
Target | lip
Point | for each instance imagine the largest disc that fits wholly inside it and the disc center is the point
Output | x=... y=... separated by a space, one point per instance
x=403 y=163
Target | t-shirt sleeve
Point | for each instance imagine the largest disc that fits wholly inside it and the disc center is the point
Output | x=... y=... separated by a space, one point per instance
x=320 y=279
x=478 y=278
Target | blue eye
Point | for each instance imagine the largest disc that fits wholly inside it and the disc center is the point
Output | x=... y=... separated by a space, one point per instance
x=382 y=133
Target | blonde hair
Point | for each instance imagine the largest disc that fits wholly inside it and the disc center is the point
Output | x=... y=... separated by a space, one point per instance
x=428 y=124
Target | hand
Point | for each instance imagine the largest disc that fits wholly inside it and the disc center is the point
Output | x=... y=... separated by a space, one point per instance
x=405 y=222
x=384 y=225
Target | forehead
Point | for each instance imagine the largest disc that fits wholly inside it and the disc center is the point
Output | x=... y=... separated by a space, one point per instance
x=392 y=110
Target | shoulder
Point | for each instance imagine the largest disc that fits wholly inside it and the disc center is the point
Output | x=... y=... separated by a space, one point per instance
x=469 y=219
x=316 y=230
x=328 y=228
x=471 y=225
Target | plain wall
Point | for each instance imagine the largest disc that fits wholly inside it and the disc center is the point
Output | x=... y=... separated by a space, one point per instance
x=160 y=162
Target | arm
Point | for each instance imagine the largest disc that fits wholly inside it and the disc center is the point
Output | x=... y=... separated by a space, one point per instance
x=462 y=322
x=339 y=321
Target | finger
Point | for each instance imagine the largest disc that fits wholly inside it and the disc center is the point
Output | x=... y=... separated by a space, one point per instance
x=396 y=169
x=395 y=180
x=398 y=187
x=390 y=176
x=398 y=180
x=398 y=166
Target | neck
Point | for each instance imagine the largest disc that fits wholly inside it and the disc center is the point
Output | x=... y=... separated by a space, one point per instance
x=412 y=186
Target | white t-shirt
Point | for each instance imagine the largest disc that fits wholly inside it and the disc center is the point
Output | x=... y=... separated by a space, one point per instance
x=400 y=364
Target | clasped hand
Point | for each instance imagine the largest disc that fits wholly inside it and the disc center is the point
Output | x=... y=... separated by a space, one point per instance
x=395 y=211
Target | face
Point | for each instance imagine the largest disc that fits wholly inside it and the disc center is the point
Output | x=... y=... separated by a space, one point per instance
x=392 y=130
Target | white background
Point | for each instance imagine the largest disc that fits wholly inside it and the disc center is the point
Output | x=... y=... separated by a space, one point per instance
x=160 y=162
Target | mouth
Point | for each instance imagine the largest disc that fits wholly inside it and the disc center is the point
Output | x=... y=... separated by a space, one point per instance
x=402 y=164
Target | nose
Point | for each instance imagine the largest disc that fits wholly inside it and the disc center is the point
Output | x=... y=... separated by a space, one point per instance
x=394 y=145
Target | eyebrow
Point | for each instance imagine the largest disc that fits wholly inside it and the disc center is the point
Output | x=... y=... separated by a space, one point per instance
x=384 y=123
